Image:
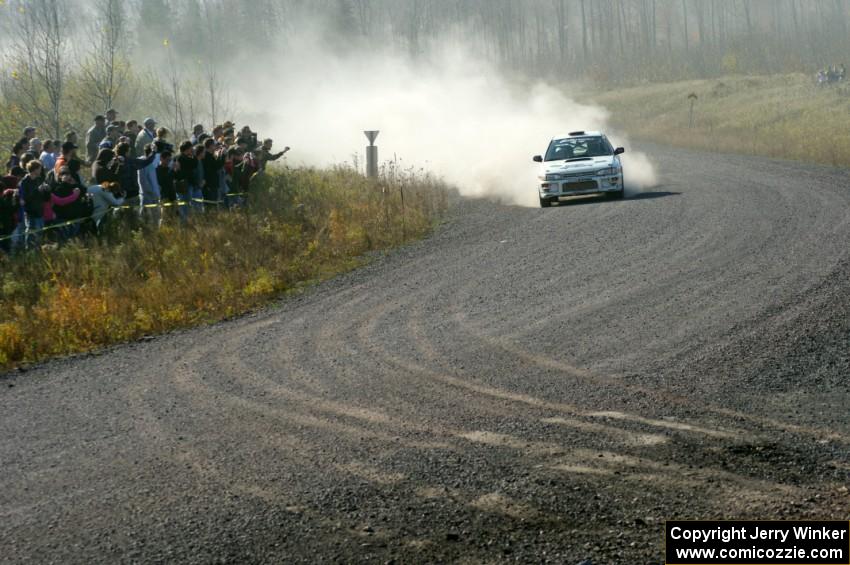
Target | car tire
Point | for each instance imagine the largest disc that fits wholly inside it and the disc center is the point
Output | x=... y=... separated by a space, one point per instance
x=545 y=203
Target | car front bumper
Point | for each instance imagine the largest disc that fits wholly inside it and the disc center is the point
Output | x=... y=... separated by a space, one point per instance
x=580 y=186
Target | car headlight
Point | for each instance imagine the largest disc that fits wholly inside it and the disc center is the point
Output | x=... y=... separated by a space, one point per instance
x=607 y=172
x=553 y=177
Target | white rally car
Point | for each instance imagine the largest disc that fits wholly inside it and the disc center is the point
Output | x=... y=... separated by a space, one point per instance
x=581 y=162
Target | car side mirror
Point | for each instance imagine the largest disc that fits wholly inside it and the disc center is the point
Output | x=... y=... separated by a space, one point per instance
x=538 y=159
x=619 y=151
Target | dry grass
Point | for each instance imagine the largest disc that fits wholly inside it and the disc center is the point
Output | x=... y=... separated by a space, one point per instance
x=784 y=116
x=302 y=226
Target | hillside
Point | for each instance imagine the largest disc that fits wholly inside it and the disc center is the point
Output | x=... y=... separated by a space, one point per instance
x=785 y=116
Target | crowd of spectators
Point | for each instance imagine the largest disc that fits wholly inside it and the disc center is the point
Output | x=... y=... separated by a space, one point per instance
x=831 y=75
x=126 y=170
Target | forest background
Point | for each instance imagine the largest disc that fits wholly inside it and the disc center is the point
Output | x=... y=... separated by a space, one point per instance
x=189 y=61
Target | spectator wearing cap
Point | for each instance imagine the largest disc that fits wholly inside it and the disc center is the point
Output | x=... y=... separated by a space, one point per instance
x=146 y=136
x=111 y=115
x=94 y=136
x=47 y=157
x=69 y=153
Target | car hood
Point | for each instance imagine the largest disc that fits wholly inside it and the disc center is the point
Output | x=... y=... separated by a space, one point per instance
x=589 y=164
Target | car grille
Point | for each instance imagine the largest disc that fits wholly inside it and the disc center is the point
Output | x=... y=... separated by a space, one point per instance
x=567 y=176
x=584 y=185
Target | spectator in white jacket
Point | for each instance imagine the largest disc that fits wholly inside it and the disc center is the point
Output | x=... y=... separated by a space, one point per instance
x=147 y=135
x=149 y=186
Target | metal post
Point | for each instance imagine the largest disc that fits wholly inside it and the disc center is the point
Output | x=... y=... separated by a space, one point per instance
x=371 y=154
x=403 y=218
x=692 y=97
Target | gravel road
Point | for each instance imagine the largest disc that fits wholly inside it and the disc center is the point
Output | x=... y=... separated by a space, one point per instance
x=526 y=385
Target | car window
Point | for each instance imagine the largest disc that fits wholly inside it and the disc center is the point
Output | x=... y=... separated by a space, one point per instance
x=576 y=147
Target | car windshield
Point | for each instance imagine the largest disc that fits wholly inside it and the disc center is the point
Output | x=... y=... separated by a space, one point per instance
x=577 y=148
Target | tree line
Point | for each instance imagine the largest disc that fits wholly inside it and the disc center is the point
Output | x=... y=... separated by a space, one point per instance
x=617 y=41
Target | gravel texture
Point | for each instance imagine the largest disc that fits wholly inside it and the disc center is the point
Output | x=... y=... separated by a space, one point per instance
x=527 y=385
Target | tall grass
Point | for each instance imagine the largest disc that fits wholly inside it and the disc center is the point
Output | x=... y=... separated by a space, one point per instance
x=783 y=116
x=300 y=226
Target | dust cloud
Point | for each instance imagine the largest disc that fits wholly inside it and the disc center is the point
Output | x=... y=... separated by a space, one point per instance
x=449 y=112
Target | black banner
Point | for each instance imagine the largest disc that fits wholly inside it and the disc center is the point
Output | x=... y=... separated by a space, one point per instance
x=765 y=542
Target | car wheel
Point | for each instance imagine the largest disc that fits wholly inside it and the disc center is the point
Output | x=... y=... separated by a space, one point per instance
x=545 y=203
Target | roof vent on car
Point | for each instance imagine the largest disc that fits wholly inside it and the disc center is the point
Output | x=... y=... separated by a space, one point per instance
x=576 y=133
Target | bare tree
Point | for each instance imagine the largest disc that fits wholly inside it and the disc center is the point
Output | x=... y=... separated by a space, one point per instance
x=169 y=91
x=216 y=87
x=105 y=69
x=561 y=19
x=36 y=55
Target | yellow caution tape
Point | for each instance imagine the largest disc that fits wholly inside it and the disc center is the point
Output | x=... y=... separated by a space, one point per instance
x=122 y=207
